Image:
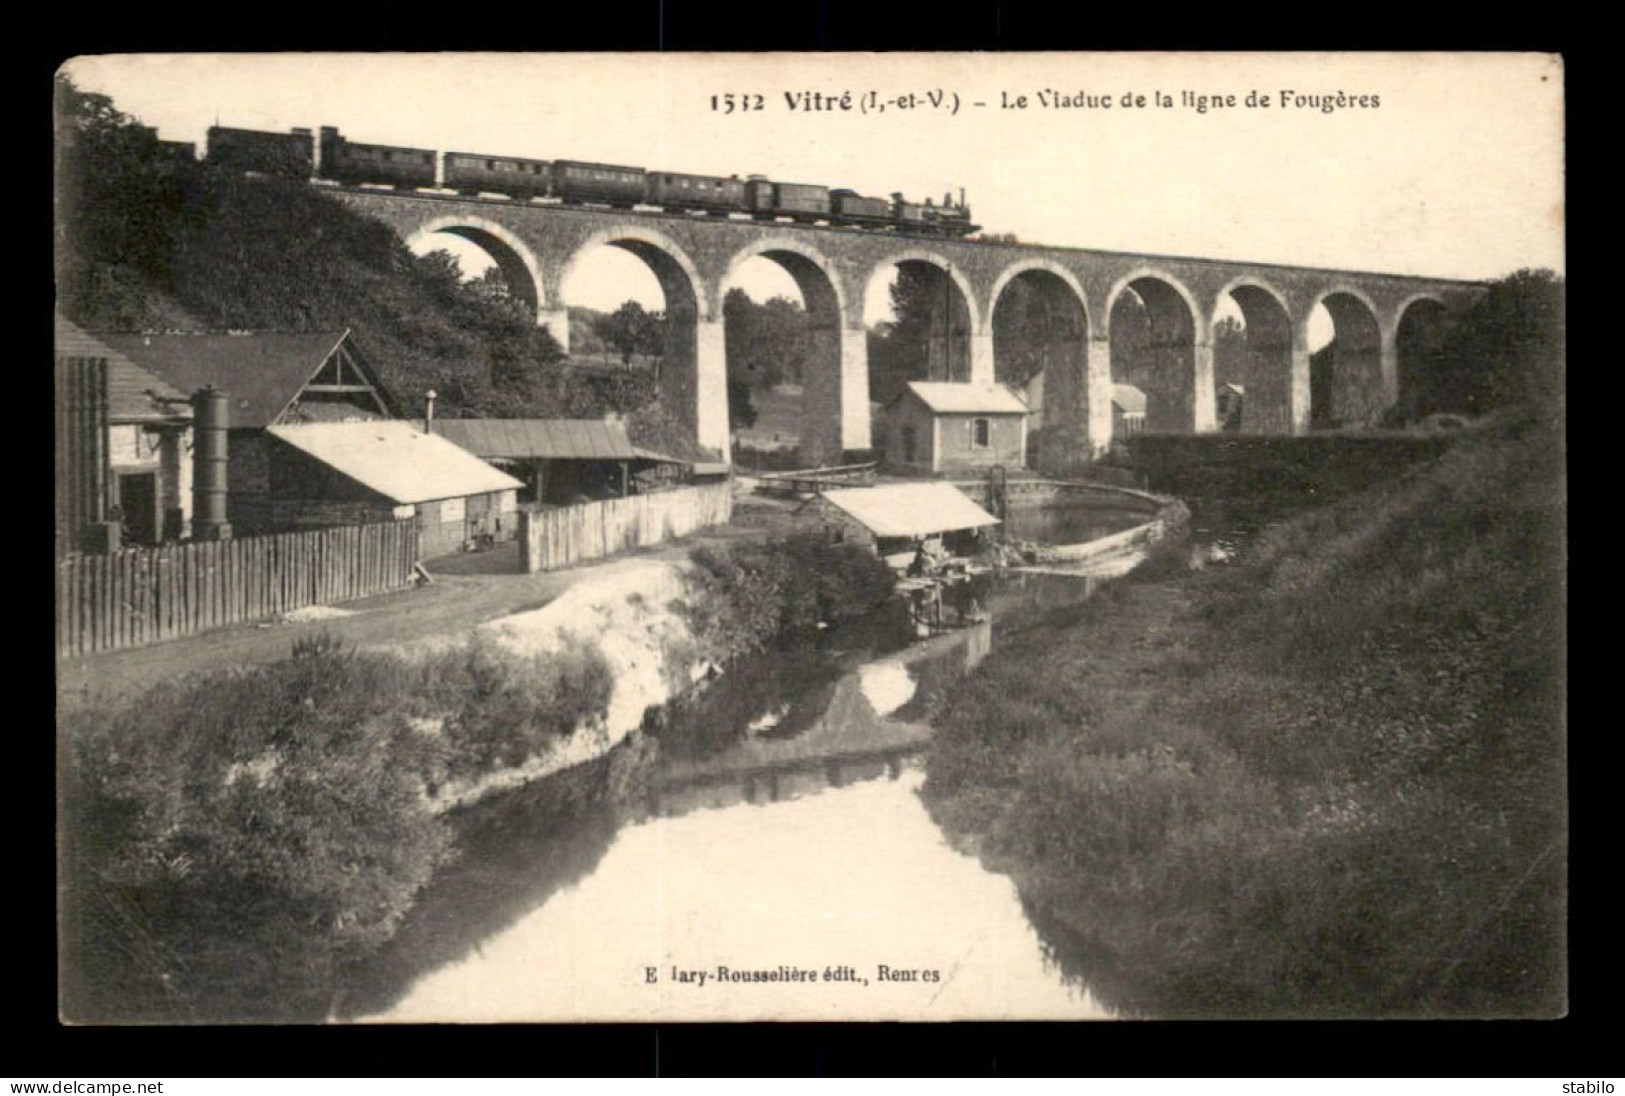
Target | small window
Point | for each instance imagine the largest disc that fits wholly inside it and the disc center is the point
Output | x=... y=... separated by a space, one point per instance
x=980 y=434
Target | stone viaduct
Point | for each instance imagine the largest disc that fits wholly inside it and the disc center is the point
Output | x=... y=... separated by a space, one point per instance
x=1377 y=317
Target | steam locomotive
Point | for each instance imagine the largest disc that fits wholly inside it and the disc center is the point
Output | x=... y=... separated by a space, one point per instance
x=299 y=154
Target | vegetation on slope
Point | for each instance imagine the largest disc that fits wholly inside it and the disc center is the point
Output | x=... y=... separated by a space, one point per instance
x=1326 y=781
x=235 y=838
x=148 y=241
x=752 y=595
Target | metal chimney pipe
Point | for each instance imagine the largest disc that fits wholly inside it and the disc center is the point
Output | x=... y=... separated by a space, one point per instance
x=211 y=416
x=428 y=411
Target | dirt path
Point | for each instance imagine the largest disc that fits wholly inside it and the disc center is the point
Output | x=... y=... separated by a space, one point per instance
x=467 y=591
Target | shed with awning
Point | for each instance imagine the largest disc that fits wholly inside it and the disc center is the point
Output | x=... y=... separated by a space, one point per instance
x=347 y=473
x=562 y=460
x=898 y=517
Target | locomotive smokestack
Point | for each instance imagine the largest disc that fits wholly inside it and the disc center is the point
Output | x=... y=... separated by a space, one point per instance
x=428 y=411
x=211 y=416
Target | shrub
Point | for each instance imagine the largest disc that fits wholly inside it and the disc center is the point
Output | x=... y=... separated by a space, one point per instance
x=499 y=709
x=237 y=837
x=746 y=596
x=238 y=834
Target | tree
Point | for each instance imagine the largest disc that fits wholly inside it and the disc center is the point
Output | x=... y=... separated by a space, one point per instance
x=741 y=408
x=1229 y=352
x=1507 y=348
x=920 y=344
x=492 y=285
x=121 y=204
x=630 y=329
x=766 y=344
x=1033 y=326
x=1132 y=340
x=441 y=269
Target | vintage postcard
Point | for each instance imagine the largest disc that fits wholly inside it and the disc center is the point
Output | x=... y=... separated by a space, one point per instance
x=632 y=537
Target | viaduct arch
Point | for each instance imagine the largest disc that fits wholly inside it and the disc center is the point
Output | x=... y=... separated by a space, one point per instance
x=1163 y=334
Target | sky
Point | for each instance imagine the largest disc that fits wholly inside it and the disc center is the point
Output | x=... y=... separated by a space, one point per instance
x=1456 y=169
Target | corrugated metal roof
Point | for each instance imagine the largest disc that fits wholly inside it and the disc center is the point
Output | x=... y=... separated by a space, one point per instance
x=260 y=371
x=1128 y=399
x=949 y=398
x=133 y=394
x=654 y=457
x=911 y=509
x=540 y=439
x=396 y=459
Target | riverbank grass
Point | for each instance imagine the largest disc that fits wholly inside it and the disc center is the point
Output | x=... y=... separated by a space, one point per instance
x=1326 y=780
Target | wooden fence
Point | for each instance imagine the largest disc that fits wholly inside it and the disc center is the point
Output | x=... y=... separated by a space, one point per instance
x=550 y=539
x=145 y=595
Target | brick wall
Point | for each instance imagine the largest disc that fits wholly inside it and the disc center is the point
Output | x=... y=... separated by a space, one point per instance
x=958 y=453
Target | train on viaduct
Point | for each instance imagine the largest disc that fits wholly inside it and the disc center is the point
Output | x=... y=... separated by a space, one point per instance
x=1382 y=322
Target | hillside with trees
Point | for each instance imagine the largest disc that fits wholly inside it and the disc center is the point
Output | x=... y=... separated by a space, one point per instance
x=146 y=240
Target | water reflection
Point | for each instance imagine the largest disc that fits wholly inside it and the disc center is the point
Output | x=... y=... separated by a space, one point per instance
x=856 y=878
x=517 y=852
x=779 y=825
x=831 y=735
x=1070 y=524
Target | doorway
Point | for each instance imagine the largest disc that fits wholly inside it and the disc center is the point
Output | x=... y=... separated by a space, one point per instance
x=138 y=498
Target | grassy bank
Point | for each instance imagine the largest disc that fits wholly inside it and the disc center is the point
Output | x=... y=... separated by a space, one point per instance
x=235 y=841
x=1327 y=780
x=234 y=838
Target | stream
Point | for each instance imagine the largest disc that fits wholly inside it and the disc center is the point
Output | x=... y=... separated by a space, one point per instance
x=777 y=863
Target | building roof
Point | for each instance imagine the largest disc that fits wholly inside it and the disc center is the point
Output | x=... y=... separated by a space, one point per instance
x=540 y=439
x=910 y=509
x=651 y=457
x=952 y=398
x=133 y=394
x=1236 y=388
x=261 y=371
x=1128 y=399
x=395 y=459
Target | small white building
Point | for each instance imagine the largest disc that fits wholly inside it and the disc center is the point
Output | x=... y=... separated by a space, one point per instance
x=896 y=519
x=1128 y=410
x=941 y=427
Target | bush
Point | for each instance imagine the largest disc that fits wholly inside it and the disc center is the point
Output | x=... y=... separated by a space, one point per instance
x=499 y=709
x=236 y=838
x=746 y=596
x=240 y=834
